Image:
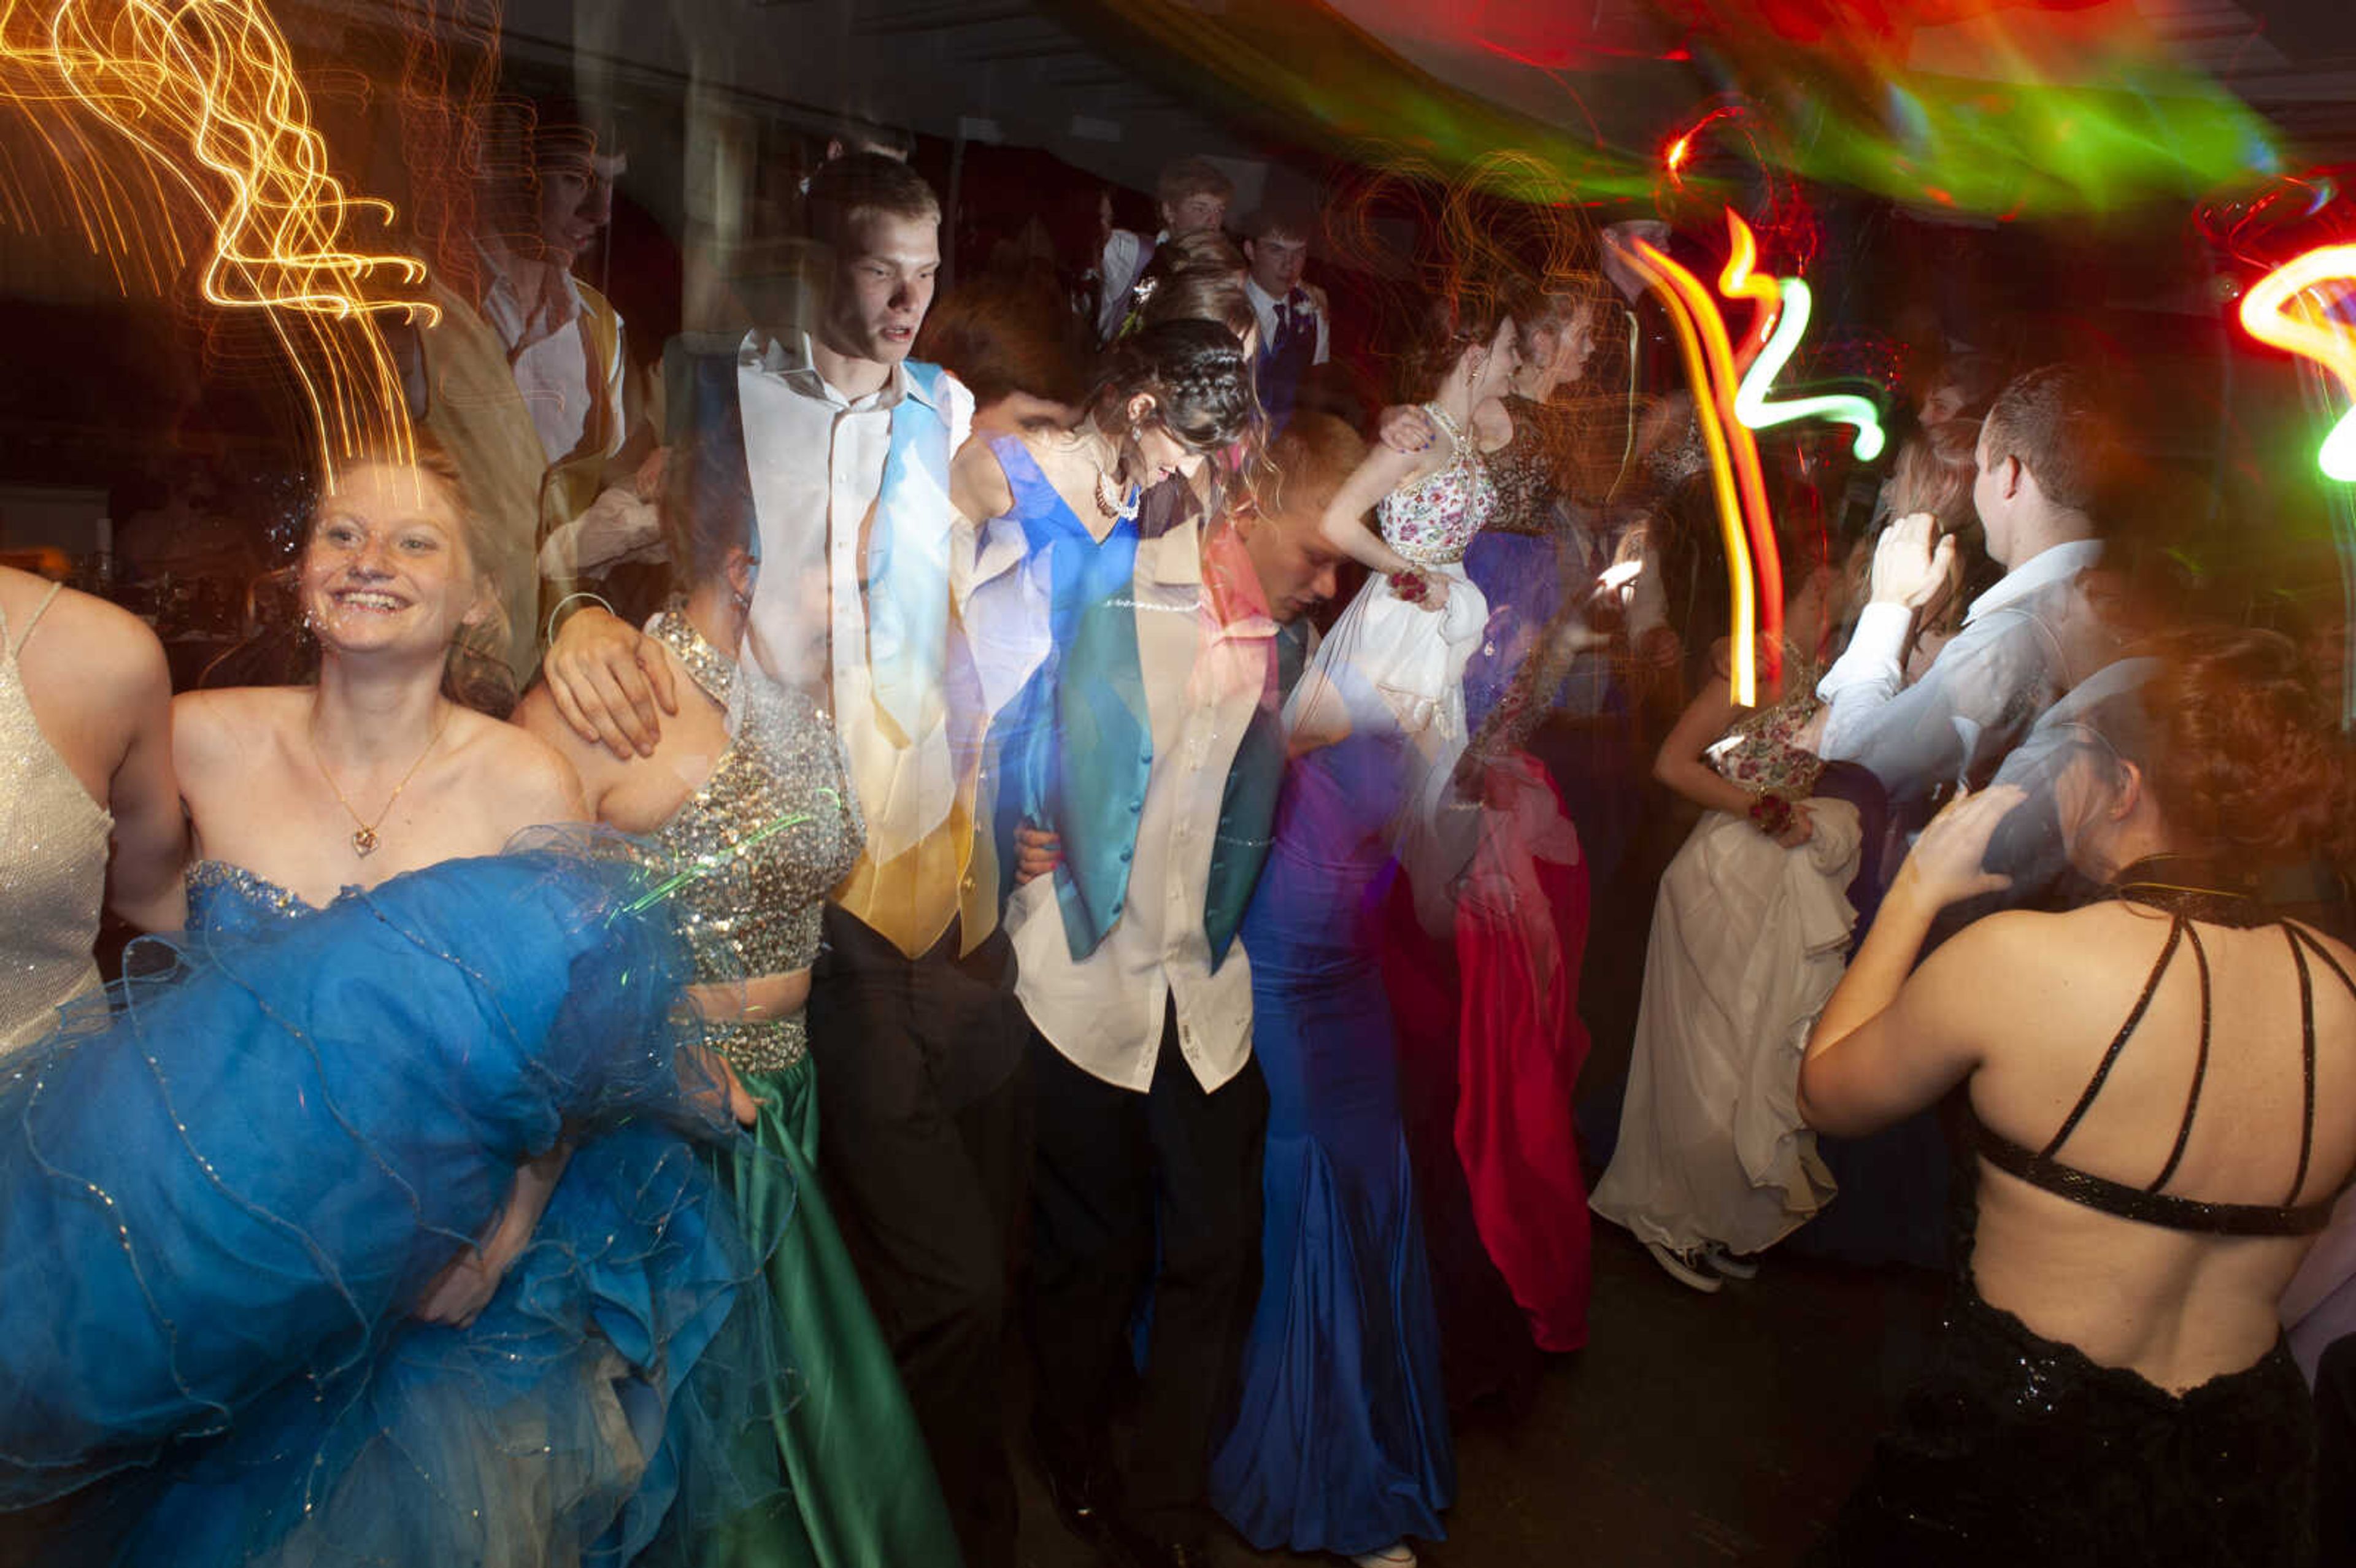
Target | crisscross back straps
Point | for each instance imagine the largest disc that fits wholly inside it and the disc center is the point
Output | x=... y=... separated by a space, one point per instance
x=2199 y=1068
x=2176 y=926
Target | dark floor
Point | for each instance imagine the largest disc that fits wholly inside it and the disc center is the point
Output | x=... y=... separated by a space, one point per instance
x=1694 y=1430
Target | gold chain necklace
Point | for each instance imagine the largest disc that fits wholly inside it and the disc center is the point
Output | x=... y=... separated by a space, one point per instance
x=364 y=835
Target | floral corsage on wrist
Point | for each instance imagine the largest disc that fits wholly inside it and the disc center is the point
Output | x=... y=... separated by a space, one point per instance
x=1408 y=586
x=1770 y=813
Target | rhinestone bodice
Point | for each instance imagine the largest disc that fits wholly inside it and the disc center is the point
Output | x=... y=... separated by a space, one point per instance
x=1433 y=521
x=755 y=850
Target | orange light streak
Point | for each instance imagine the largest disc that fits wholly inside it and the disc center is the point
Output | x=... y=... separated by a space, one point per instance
x=203 y=97
x=1754 y=570
x=1739 y=280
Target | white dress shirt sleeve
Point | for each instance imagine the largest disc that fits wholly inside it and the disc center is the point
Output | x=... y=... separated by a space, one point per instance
x=1117 y=273
x=1954 y=725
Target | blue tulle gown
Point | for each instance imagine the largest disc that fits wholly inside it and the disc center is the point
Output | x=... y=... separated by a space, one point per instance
x=1341 y=1439
x=219 y=1205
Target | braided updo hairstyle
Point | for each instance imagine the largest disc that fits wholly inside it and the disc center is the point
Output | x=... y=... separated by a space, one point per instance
x=2241 y=759
x=1201 y=385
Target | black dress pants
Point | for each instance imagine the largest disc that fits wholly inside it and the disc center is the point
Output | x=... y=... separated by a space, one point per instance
x=1125 y=1178
x=925 y=1144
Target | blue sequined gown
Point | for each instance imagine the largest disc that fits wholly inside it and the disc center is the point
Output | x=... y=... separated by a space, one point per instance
x=219 y=1204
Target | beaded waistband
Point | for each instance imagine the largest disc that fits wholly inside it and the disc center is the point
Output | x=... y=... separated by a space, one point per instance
x=767 y=1045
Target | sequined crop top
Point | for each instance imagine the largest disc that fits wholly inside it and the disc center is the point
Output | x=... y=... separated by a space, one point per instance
x=1433 y=521
x=759 y=846
x=2042 y=1169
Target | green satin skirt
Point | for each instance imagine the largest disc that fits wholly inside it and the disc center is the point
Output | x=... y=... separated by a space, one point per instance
x=862 y=1492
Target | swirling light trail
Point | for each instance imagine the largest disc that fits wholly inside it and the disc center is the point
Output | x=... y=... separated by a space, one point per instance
x=204 y=97
x=1783 y=319
x=2268 y=315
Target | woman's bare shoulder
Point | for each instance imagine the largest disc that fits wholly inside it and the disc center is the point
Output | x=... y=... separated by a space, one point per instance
x=510 y=748
x=2045 y=977
x=108 y=652
x=523 y=776
x=237 y=716
x=538 y=715
x=978 y=481
x=2009 y=958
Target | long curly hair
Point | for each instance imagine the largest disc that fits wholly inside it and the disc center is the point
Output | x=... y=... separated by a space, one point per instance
x=2240 y=755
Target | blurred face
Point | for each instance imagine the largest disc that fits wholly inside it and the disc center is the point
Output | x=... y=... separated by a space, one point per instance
x=1165 y=455
x=1943 y=402
x=1020 y=413
x=1295 y=565
x=386 y=565
x=1492 y=369
x=883 y=286
x=576 y=200
x=1189 y=213
x=1578 y=347
x=1277 y=262
x=791 y=647
x=2084 y=794
x=1561 y=350
x=1619 y=241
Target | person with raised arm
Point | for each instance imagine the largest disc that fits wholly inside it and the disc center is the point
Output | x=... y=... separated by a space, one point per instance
x=2161 y=1094
x=913 y=1023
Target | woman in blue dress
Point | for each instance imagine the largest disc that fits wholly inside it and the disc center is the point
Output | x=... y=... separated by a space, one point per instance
x=295 y=1261
x=1341 y=1442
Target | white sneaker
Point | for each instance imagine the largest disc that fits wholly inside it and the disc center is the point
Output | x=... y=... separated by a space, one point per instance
x=1397 y=1554
x=1685 y=1268
x=1718 y=1261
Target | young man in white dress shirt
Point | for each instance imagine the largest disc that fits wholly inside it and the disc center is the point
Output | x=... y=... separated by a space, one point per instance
x=2047 y=452
x=1151 y=752
x=521 y=376
x=1295 y=325
x=1193 y=195
x=563 y=339
x=919 y=1038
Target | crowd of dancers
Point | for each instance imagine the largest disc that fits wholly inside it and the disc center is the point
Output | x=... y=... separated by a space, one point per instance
x=971 y=898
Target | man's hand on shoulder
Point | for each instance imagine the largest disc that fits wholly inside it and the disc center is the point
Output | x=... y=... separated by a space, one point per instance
x=609 y=680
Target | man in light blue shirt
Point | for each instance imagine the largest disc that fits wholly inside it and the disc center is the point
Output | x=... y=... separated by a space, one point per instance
x=2045 y=454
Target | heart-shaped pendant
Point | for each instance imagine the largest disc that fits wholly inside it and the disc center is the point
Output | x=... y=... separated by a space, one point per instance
x=364 y=842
